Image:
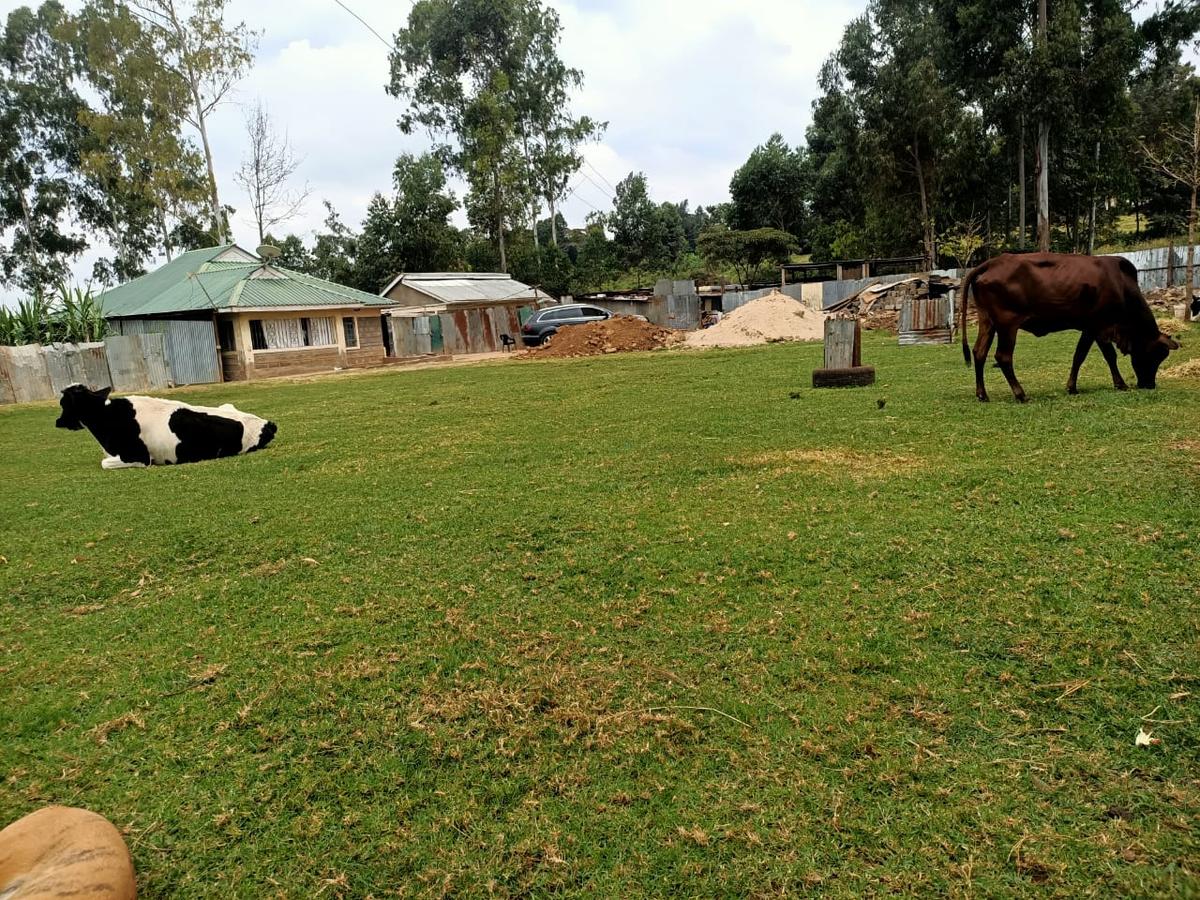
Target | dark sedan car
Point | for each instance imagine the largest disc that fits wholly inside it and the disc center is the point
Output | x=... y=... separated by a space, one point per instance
x=545 y=322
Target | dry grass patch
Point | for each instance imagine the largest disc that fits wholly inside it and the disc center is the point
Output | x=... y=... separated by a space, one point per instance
x=833 y=461
x=1189 y=369
x=1172 y=326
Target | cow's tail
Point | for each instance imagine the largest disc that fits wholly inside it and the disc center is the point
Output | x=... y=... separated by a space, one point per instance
x=963 y=301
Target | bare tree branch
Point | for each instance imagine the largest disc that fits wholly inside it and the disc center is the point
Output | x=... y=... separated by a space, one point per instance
x=265 y=174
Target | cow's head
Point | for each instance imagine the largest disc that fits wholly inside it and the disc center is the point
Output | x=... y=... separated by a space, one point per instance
x=1147 y=360
x=78 y=403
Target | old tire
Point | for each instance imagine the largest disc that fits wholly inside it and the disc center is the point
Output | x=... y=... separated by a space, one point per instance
x=854 y=376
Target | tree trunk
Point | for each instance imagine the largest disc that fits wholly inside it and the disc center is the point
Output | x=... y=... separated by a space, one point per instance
x=166 y=231
x=1191 y=251
x=1043 y=152
x=1043 y=186
x=926 y=224
x=553 y=222
x=1021 y=230
x=1092 y=222
x=202 y=126
x=499 y=219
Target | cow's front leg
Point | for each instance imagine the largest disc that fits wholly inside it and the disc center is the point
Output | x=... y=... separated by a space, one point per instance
x=1081 y=352
x=1110 y=357
x=115 y=462
x=1004 y=355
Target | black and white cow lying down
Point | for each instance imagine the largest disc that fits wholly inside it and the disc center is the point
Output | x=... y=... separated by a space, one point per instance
x=147 y=431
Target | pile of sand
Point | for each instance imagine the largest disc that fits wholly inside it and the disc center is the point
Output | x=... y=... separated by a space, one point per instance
x=616 y=335
x=775 y=317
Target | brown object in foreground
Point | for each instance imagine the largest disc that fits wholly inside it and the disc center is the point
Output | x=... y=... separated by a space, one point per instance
x=843 y=356
x=616 y=335
x=64 y=852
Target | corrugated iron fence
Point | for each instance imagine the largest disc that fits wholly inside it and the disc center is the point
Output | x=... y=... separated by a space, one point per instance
x=456 y=333
x=1160 y=267
x=130 y=363
x=925 y=321
x=191 y=346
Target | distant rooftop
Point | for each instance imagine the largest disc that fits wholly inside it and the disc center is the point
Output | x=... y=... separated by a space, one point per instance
x=467 y=287
x=225 y=278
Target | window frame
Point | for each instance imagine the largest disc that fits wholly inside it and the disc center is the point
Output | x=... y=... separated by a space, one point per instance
x=353 y=322
x=305 y=335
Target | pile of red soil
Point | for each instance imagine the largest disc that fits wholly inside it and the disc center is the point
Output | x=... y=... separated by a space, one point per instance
x=619 y=334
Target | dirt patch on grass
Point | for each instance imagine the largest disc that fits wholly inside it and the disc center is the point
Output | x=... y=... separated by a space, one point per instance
x=1186 y=446
x=1189 y=369
x=620 y=334
x=834 y=461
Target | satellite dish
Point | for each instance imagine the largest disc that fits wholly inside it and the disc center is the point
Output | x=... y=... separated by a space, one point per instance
x=268 y=252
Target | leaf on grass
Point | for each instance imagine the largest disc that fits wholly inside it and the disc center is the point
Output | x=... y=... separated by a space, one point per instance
x=309 y=561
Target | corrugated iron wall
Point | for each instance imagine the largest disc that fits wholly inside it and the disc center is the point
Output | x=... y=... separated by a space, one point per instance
x=924 y=321
x=463 y=331
x=1158 y=266
x=137 y=362
x=68 y=364
x=34 y=372
x=191 y=346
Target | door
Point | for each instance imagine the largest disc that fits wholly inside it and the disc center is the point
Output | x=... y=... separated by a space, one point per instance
x=385 y=322
x=435 y=334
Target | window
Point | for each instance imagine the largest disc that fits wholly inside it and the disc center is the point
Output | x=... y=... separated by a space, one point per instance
x=350 y=330
x=291 y=334
x=225 y=335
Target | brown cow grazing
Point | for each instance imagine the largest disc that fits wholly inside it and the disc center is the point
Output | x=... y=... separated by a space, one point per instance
x=1045 y=292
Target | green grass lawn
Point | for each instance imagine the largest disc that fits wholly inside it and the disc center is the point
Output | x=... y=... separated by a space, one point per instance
x=627 y=626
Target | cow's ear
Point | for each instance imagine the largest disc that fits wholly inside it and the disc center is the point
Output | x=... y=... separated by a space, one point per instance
x=103 y=393
x=1172 y=344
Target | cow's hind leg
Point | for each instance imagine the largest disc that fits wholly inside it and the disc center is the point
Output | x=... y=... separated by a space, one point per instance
x=983 y=343
x=1081 y=352
x=1004 y=356
x=1110 y=357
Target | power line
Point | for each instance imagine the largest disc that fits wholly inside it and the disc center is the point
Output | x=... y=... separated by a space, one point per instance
x=598 y=172
x=596 y=184
x=581 y=199
x=366 y=24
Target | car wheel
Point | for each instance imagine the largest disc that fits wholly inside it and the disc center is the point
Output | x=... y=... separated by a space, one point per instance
x=546 y=339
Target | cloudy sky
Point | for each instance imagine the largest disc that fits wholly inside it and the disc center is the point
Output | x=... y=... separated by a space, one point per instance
x=688 y=89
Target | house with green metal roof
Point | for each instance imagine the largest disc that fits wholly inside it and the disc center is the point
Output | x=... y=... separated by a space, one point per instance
x=227 y=315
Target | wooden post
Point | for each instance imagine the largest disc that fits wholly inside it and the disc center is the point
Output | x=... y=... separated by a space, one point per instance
x=843 y=356
x=843 y=343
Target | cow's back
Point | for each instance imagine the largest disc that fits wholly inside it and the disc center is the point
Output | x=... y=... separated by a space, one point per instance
x=1044 y=292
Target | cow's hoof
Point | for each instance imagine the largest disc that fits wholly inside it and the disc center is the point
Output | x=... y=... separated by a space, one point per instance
x=1121 y=387
x=1071 y=389
x=983 y=398
x=1021 y=398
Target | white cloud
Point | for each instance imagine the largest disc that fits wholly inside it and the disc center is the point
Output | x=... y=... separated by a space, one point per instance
x=688 y=89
